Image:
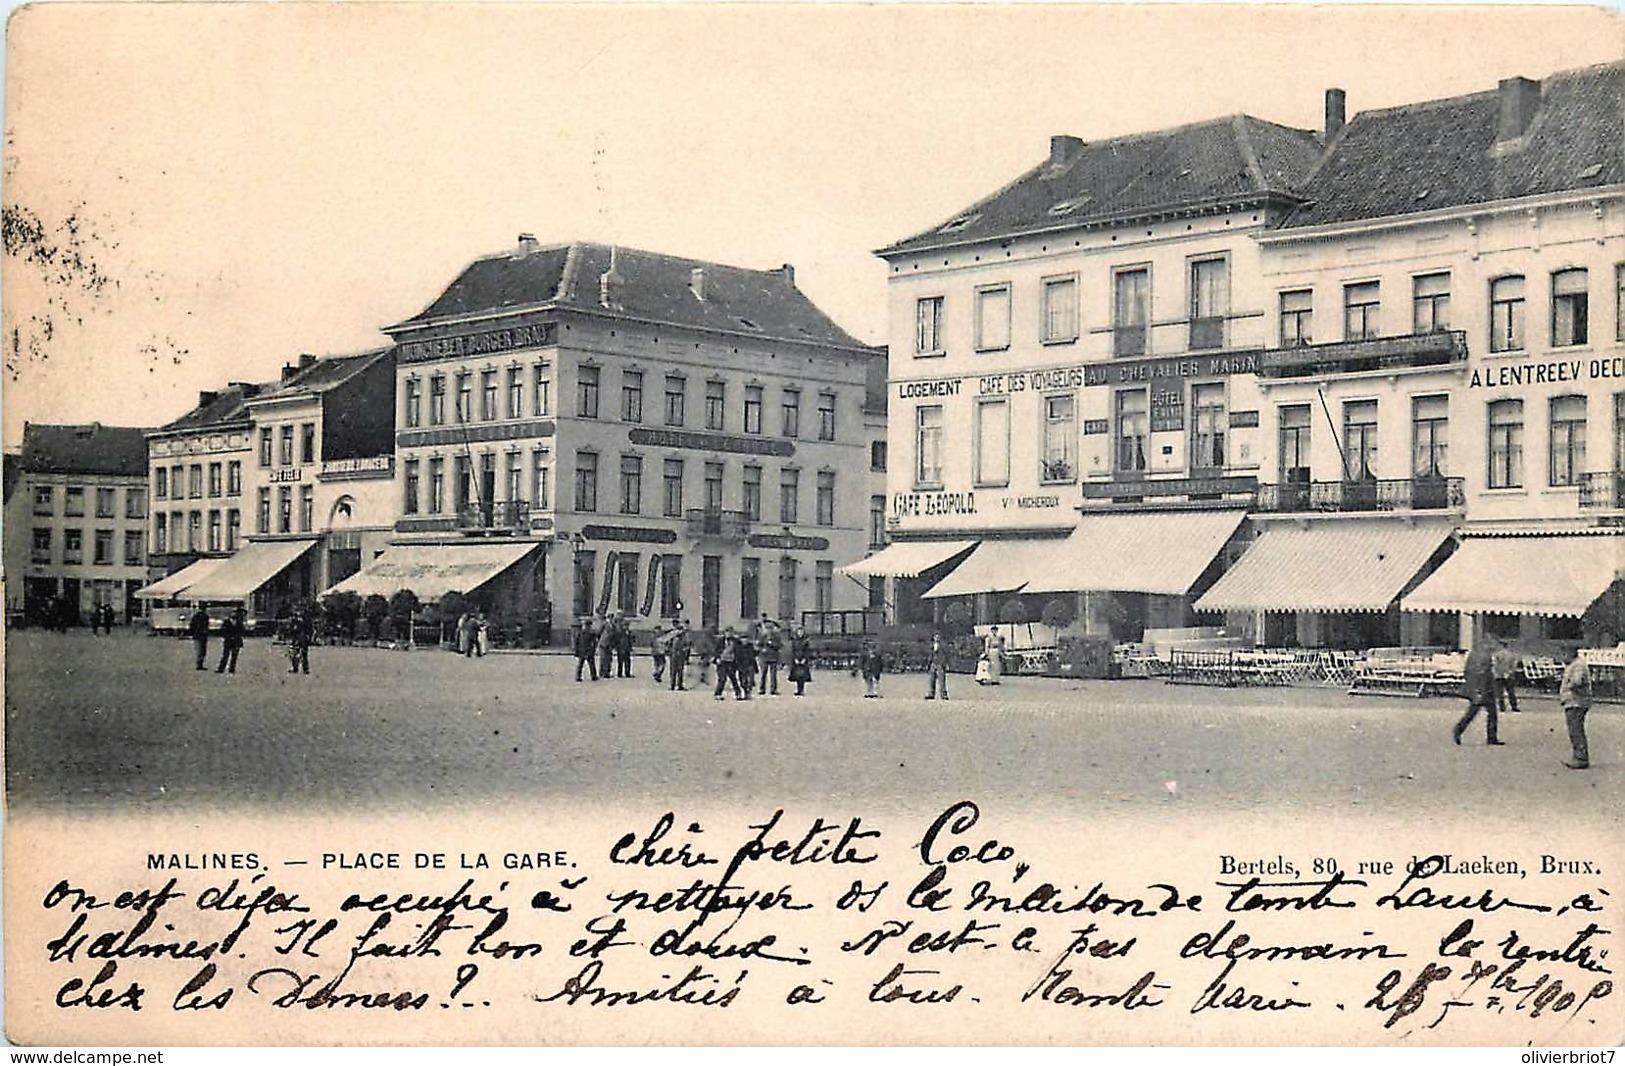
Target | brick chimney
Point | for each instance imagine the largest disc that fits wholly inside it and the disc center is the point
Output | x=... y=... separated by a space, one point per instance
x=610 y=279
x=288 y=371
x=1519 y=100
x=306 y=360
x=1336 y=113
x=528 y=245
x=789 y=272
x=696 y=283
x=204 y=399
x=1063 y=149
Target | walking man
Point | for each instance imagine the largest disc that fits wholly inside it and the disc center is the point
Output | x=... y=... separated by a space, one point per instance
x=198 y=629
x=1480 y=678
x=727 y=664
x=1505 y=664
x=585 y=644
x=1575 y=696
x=231 y=641
x=936 y=669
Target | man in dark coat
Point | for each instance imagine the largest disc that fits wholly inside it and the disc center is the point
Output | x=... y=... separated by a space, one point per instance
x=677 y=656
x=231 y=641
x=936 y=669
x=606 y=646
x=771 y=645
x=623 y=646
x=1480 y=678
x=198 y=630
x=302 y=634
x=727 y=656
x=586 y=646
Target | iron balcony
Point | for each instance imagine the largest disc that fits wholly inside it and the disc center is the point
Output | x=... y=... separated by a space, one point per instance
x=505 y=516
x=1392 y=494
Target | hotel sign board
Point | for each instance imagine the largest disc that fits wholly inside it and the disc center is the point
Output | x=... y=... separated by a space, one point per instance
x=1168 y=370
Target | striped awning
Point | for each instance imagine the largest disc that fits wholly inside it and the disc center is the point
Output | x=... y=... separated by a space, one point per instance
x=1553 y=575
x=1356 y=565
x=998 y=566
x=176 y=584
x=908 y=558
x=432 y=570
x=1162 y=553
x=254 y=564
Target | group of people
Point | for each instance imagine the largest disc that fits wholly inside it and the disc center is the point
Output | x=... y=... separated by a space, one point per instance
x=301 y=633
x=473 y=634
x=747 y=661
x=603 y=646
x=1491 y=681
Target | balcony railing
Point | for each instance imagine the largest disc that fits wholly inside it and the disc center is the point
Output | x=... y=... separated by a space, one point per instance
x=1136 y=490
x=716 y=524
x=504 y=516
x=1603 y=490
x=1440 y=348
x=1394 y=494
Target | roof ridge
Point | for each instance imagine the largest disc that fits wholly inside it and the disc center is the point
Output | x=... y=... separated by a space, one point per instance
x=625 y=249
x=1244 y=141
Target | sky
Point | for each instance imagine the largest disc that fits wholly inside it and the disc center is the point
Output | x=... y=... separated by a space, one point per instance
x=244 y=183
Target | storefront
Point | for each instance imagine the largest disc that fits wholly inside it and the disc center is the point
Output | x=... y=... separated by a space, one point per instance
x=1532 y=589
x=268 y=577
x=912 y=568
x=1333 y=584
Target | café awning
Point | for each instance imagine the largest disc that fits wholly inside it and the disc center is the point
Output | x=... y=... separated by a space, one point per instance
x=997 y=566
x=908 y=558
x=432 y=570
x=1163 y=553
x=257 y=562
x=1327 y=566
x=1553 y=575
x=168 y=588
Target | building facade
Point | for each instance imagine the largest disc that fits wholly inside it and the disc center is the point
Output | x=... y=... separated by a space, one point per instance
x=81 y=495
x=1442 y=394
x=1073 y=383
x=196 y=467
x=586 y=429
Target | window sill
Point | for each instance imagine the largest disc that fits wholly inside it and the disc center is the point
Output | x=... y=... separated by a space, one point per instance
x=931 y=486
x=938 y=354
x=1516 y=490
x=988 y=351
x=1053 y=341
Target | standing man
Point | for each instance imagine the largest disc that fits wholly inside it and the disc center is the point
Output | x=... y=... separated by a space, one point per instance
x=231 y=641
x=800 y=660
x=198 y=629
x=1480 y=678
x=705 y=650
x=1505 y=665
x=772 y=644
x=659 y=649
x=936 y=670
x=677 y=656
x=606 y=645
x=585 y=643
x=1575 y=696
x=623 y=645
x=302 y=634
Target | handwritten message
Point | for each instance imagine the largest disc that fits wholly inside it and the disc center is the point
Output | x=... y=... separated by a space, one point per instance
x=809 y=914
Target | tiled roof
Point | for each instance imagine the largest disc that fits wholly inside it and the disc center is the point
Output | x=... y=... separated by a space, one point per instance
x=1443 y=153
x=1220 y=161
x=228 y=405
x=92 y=449
x=652 y=286
x=321 y=375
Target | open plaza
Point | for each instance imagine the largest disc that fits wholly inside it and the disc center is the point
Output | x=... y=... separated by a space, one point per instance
x=97 y=724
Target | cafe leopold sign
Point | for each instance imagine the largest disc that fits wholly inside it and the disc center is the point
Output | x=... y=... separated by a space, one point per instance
x=1119 y=372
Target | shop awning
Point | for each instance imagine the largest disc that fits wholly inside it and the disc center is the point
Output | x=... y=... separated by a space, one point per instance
x=1326 y=566
x=1544 y=575
x=254 y=564
x=997 y=566
x=167 y=588
x=907 y=558
x=1159 y=553
x=432 y=570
